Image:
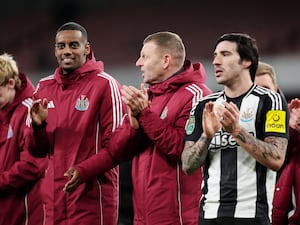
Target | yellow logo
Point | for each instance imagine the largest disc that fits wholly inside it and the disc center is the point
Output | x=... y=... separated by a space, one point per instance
x=276 y=121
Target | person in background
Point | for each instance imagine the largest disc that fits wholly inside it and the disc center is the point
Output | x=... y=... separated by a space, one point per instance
x=73 y=116
x=153 y=134
x=286 y=199
x=20 y=173
x=240 y=136
x=266 y=77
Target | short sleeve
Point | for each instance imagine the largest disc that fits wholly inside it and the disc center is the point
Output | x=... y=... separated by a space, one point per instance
x=193 y=127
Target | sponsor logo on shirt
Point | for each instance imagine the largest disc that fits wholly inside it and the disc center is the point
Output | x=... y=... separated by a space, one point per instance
x=276 y=121
x=82 y=103
x=190 y=125
x=223 y=140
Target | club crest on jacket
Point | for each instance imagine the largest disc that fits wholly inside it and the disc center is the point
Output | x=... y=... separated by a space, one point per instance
x=82 y=103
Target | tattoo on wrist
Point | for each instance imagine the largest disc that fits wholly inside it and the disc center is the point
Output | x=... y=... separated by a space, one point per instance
x=241 y=137
x=203 y=142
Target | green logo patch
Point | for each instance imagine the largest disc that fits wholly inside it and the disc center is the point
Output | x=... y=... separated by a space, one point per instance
x=190 y=125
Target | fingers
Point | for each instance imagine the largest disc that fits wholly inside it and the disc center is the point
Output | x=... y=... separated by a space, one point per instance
x=135 y=99
x=74 y=182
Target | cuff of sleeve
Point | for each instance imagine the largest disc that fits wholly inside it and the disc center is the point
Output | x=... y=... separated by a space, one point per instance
x=39 y=127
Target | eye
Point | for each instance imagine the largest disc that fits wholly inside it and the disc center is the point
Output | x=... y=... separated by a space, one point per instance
x=60 y=45
x=74 y=45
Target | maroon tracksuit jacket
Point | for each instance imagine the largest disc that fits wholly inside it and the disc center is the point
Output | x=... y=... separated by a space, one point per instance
x=20 y=173
x=162 y=193
x=83 y=109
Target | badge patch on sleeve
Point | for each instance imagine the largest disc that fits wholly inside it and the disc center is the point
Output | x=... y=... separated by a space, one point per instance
x=190 y=125
x=276 y=121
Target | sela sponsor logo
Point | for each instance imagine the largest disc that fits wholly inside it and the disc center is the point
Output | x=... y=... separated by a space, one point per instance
x=223 y=140
x=276 y=121
x=82 y=103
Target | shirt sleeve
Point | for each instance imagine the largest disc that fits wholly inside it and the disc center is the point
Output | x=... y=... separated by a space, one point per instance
x=193 y=127
x=276 y=116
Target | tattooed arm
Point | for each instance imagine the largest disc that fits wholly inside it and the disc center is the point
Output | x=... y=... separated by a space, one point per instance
x=270 y=152
x=194 y=154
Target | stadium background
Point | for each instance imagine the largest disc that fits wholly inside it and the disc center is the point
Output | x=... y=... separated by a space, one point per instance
x=116 y=29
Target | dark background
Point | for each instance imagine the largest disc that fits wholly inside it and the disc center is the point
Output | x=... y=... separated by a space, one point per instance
x=116 y=29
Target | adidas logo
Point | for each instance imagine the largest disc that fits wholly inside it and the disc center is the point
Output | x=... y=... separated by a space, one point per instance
x=51 y=105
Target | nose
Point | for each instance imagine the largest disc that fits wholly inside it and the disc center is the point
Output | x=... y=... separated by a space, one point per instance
x=139 y=62
x=67 y=51
x=216 y=60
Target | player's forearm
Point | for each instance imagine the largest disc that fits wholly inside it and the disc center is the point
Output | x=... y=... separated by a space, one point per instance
x=270 y=152
x=194 y=154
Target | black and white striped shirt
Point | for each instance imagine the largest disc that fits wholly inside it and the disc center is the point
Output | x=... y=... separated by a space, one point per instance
x=234 y=183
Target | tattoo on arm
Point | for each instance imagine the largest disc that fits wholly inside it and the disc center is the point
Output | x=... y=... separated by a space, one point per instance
x=271 y=148
x=194 y=154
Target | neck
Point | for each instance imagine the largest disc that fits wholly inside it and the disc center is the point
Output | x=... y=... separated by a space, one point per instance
x=237 y=88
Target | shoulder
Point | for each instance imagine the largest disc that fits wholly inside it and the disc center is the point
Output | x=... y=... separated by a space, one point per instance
x=197 y=108
x=267 y=95
x=45 y=82
x=105 y=79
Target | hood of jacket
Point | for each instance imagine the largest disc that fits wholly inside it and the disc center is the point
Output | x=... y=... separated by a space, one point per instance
x=25 y=91
x=191 y=73
x=91 y=65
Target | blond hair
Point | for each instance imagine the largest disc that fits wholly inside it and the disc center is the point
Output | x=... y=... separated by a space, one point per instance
x=265 y=68
x=9 y=70
x=169 y=42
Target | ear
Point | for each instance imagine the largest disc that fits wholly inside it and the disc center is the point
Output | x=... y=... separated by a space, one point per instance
x=247 y=63
x=11 y=83
x=87 y=49
x=167 y=59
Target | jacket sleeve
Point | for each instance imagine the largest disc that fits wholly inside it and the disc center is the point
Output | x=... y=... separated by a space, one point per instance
x=111 y=110
x=122 y=146
x=168 y=138
x=37 y=142
x=23 y=172
x=282 y=200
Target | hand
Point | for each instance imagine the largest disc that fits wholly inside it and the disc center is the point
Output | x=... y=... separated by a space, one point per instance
x=74 y=182
x=210 y=120
x=133 y=121
x=294 y=108
x=39 y=111
x=230 y=118
x=135 y=99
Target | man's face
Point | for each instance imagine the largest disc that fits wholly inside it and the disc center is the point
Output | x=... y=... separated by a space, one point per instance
x=227 y=63
x=71 y=50
x=265 y=80
x=151 y=62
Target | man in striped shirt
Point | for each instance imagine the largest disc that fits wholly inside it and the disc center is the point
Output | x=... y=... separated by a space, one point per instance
x=240 y=135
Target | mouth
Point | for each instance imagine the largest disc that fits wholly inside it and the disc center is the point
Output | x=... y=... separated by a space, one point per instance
x=218 y=72
x=67 y=60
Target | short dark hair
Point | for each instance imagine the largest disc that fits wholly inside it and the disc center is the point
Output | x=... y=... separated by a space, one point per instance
x=246 y=47
x=74 y=26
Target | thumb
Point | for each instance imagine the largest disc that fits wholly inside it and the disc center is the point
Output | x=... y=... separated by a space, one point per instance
x=69 y=172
